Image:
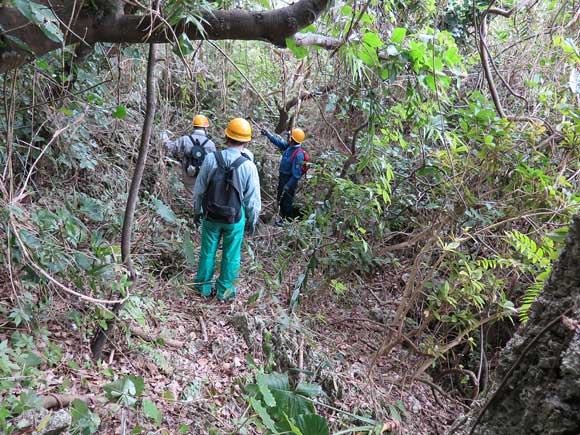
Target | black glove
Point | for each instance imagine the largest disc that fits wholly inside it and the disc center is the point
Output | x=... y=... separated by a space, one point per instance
x=285 y=190
x=197 y=220
x=264 y=132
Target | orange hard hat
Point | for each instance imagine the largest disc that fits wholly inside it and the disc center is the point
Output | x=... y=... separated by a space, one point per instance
x=239 y=129
x=200 y=121
x=298 y=135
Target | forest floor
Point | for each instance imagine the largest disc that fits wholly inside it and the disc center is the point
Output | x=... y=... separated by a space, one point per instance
x=196 y=377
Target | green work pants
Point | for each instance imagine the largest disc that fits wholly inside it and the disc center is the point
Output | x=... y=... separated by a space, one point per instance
x=232 y=235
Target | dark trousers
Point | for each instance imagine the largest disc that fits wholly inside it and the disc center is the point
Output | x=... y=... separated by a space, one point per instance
x=285 y=200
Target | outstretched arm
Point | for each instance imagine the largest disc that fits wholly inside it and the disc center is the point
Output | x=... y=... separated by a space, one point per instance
x=280 y=143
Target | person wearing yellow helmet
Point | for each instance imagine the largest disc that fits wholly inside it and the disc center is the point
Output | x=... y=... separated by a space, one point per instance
x=291 y=169
x=191 y=150
x=227 y=191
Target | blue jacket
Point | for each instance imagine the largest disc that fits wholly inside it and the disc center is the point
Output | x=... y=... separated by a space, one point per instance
x=287 y=166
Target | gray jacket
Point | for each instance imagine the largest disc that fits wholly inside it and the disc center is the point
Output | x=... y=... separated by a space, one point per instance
x=181 y=146
x=249 y=180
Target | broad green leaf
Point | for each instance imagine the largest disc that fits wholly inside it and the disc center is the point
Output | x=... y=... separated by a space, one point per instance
x=164 y=211
x=151 y=411
x=312 y=424
x=263 y=387
x=398 y=35
x=125 y=389
x=372 y=39
x=42 y=16
x=23 y=7
x=263 y=413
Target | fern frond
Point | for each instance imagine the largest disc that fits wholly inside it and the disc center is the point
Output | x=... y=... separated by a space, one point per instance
x=531 y=294
x=528 y=248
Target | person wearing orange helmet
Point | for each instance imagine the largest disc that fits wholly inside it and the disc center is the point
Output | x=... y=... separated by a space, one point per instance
x=291 y=171
x=191 y=150
x=227 y=191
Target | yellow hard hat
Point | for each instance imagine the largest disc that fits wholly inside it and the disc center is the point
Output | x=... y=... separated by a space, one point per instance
x=298 y=135
x=239 y=129
x=200 y=121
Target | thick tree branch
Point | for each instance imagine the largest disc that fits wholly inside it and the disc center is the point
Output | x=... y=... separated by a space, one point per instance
x=309 y=39
x=272 y=26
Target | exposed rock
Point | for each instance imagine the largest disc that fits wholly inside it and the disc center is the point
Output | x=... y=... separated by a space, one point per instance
x=542 y=394
x=58 y=421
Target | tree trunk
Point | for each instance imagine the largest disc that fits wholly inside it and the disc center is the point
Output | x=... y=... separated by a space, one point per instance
x=540 y=367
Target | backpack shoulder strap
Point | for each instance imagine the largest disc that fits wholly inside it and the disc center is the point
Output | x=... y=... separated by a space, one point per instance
x=295 y=153
x=193 y=140
x=204 y=142
x=239 y=161
x=220 y=160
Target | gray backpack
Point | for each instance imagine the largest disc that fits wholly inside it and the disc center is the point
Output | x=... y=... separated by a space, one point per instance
x=222 y=201
x=193 y=159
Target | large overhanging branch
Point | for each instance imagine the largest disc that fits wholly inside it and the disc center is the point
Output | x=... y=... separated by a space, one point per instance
x=270 y=26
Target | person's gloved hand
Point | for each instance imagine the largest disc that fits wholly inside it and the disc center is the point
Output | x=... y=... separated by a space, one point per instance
x=164 y=135
x=197 y=220
x=286 y=190
x=264 y=132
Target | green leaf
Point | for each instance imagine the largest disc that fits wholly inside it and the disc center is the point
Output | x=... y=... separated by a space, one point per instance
x=125 y=389
x=299 y=52
x=47 y=21
x=263 y=413
x=394 y=414
x=29 y=359
x=188 y=249
x=308 y=389
x=293 y=428
x=83 y=419
x=120 y=112
x=372 y=39
x=291 y=402
x=28 y=400
x=164 y=211
x=184 y=45
x=312 y=424
x=261 y=380
x=401 y=406
x=398 y=35
x=151 y=411
x=42 y=16
x=23 y=7
x=346 y=11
